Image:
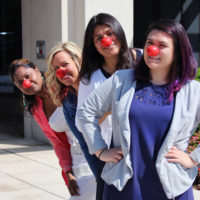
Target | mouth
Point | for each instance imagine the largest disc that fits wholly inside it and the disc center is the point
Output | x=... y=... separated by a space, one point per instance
x=33 y=85
x=154 y=58
x=68 y=75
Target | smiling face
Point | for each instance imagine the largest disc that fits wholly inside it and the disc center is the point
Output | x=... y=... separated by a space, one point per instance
x=100 y=32
x=33 y=75
x=163 y=61
x=62 y=60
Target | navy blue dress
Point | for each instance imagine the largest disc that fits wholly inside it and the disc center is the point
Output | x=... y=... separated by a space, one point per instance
x=150 y=118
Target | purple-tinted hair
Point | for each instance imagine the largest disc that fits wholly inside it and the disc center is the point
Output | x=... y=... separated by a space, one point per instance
x=184 y=66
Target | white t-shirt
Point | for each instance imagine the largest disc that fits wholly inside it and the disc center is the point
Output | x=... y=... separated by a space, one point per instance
x=97 y=79
x=58 y=123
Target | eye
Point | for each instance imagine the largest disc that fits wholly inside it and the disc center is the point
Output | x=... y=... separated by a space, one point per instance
x=27 y=76
x=99 y=38
x=162 y=46
x=20 y=82
x=110 y=33
x=149 y=43
x=65 y=64
x=56 y=68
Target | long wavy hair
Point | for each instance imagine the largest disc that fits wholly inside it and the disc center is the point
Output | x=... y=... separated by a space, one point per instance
x=91 y=58
x=28 y=100
x=184 y=66
x=57 y=89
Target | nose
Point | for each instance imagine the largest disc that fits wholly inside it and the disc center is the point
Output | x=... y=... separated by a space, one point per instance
x=153 y=50
x=26 y=83
x=106 y=41
x=61 y=72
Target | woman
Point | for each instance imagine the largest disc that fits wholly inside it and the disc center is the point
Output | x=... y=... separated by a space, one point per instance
x=155 y=109
x=100 y=61
x=62 y=80
x=27 y=77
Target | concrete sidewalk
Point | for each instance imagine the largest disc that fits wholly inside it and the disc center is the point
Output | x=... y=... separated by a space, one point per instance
x=29 y=170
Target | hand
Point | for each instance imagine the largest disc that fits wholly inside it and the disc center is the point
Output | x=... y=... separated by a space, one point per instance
x=104 y=117
x=72 y=184
x=177 y=156
x=110 y=155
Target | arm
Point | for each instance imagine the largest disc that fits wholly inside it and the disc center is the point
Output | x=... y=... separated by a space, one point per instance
x=90 y=110
x=64 y=156
x=195 y=154
x=97 y=104
x=61 y=148
x=104 y=117
x=58 y=123
x=62 y=151
x=58 y=140
x=137 y=53
x=85 y=90
x=72 y=186
x=133 y=51
x=175 y=155
x=192 y=159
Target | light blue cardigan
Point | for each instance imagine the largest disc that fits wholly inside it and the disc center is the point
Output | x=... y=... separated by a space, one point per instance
x=116 y=95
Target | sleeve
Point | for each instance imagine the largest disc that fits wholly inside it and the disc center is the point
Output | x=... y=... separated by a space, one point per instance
x=195 y=154
x=59 y=142
x=84 y=91
x=62 y=151
x=139 y=53
x=57 y=121
x=96 y=105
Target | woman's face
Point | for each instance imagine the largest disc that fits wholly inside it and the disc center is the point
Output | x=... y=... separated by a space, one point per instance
x=33 y=75
x=101 y=31
x=64 y=61
x=165 y=58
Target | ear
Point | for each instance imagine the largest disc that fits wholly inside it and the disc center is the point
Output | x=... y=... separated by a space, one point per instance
x=36 y=69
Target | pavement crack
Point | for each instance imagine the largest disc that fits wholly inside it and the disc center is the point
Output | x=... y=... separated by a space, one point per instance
x=42 y=189
x=29 y=158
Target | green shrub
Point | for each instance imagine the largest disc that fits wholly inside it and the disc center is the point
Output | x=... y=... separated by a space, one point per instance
x=195 y=139
x=198 y=75
x=194 y=142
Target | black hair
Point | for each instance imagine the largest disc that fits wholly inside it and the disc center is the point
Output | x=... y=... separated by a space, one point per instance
x=91 y=58
x=184 y=66
x=28 y=100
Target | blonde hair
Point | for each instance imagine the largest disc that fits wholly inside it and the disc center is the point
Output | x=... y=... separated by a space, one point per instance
x=54 y=86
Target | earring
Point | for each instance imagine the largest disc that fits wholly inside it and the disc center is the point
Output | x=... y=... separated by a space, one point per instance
x=24 y=100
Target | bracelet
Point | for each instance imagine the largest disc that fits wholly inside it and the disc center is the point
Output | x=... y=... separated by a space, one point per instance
x=101 y=152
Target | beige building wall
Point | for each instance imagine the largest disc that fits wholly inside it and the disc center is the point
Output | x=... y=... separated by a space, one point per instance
x=53 y=21
x=81 y=11
x=43 y=20
x=120 y=9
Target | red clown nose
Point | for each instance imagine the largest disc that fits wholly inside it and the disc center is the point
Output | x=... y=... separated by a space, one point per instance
x=106 y=41
x=26 y=83
x=61 y=72
x=153 y=50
